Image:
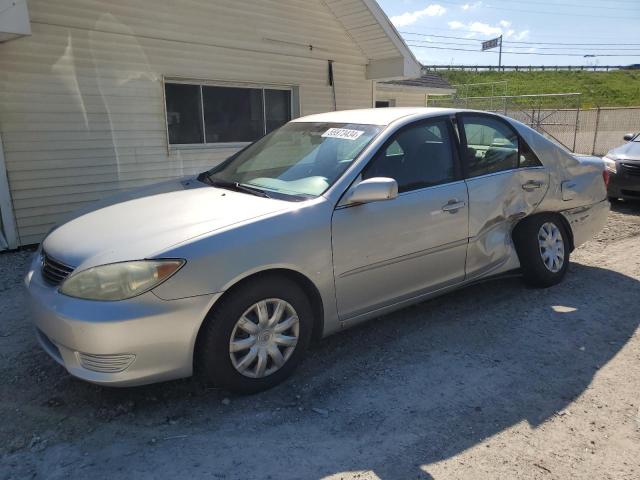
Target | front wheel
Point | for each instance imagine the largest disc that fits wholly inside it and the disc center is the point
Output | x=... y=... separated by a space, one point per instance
x=542 y=243
x=256 y=336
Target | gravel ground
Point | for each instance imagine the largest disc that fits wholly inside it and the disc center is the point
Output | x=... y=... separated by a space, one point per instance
x=534 y=384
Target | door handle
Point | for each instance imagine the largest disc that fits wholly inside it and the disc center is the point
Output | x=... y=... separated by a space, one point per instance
x=453 y=206
x=532 y=185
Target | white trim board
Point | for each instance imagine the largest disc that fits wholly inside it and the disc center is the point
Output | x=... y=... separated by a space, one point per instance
x=10 y=234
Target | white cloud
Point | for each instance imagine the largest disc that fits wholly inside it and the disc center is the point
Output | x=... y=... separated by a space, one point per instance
x=489 y=31
x=408 y=18
x=471 y=6
x=484 y=29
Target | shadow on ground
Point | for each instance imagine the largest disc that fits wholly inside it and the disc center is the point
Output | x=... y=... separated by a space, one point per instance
x=394 y=395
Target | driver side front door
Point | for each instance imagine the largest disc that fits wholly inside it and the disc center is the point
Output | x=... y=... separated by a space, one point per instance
x=389 y=251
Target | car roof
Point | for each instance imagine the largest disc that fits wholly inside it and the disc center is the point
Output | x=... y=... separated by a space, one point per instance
x=376 y=116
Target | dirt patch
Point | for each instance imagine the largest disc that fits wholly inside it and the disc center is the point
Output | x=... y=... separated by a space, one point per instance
x=493 y=381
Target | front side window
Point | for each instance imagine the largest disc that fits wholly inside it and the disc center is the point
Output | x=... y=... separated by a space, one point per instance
x=417 y=157
x=300 y=159
x=205 y=114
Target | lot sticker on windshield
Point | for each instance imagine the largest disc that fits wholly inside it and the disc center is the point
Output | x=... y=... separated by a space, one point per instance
x=343 y=133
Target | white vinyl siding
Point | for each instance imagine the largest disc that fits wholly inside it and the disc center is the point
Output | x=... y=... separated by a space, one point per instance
x=403 y=98
x=81 y=100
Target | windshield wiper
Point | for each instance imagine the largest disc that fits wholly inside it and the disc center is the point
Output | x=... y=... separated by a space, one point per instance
x=237 y=186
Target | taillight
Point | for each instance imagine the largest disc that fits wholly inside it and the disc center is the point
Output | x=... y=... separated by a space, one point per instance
x=605 y=177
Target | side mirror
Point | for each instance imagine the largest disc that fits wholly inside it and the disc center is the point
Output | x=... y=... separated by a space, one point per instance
x=373 y=190
x=628 y=137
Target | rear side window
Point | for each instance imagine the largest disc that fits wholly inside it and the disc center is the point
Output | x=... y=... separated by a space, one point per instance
x=417 y=157
x=491 y=146
x=527 y=157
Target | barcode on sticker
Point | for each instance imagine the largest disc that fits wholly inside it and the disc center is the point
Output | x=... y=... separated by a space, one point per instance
x=343 y=133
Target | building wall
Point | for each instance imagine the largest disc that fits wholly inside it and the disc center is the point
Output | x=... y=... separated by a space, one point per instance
x=81 y=100
x=403 y=98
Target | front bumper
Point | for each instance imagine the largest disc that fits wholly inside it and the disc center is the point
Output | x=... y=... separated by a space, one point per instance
x=624 y=185
x=132 y=342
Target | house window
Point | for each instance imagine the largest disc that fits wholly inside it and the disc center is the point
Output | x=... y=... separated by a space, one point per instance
x=208 y=114
x=385 y=103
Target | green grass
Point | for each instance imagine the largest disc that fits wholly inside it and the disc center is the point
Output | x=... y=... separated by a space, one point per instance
x=620 y=88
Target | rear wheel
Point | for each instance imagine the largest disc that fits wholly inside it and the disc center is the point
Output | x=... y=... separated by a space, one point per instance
x=542 y=243
x=256 y=336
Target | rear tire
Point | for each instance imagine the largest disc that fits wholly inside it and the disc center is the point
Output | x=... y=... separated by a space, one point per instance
x=542 y=243
x=243 y=347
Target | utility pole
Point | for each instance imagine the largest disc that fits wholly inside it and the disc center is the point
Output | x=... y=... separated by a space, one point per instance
x=500 y=55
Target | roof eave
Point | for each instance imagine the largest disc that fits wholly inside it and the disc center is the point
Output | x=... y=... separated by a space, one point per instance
x=14 y=20
x=416 y=88
x=404 y=66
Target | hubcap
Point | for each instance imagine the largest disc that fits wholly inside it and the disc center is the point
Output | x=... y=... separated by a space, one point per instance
x=264 y=338
x=551 y=247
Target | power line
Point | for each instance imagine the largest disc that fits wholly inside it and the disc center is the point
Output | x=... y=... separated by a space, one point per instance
x=538 y=12
x=556 y=35
x=528 y=53
x=616 y=49
x=520 y=42
x=546 y=4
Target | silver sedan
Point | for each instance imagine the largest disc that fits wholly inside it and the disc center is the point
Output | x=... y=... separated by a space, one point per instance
x=326 y=222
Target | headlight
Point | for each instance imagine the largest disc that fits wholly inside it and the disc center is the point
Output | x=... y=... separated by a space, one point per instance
x=610 y=164
x=119 y=281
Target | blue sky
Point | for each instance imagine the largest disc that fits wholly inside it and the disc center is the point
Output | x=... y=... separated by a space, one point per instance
x=554 y=24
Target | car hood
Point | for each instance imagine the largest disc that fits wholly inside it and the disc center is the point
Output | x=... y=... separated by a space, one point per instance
x=140 y=223
x=628 y=151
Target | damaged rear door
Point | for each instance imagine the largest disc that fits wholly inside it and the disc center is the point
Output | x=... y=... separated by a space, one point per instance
x=506 y=182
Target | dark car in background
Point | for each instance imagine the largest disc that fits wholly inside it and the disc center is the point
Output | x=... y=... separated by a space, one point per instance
x=623 y=164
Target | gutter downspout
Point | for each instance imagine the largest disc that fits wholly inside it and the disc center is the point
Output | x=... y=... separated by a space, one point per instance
x=332 y=83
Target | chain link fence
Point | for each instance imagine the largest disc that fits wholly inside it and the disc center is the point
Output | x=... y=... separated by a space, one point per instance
x=559 y=117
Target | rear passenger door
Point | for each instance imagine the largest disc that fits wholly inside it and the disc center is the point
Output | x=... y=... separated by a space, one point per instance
x=506 y=182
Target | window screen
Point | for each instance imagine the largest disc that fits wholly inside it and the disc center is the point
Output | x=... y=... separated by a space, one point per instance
x=417 y=157
x=184 y=117
x=278 y=108
x=203 y=114
x=232 y=114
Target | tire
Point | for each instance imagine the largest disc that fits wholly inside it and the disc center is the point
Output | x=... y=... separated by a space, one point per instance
x=537 y=260
x=214 y=358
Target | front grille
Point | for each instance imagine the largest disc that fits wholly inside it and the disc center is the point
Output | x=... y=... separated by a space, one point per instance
x=631 y=169
x=53 y=271
x=106 y=363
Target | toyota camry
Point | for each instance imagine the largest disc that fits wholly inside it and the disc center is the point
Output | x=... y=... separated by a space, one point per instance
x=328 y=221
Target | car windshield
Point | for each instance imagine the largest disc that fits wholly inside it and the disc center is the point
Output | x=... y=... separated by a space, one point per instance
x=299 y=160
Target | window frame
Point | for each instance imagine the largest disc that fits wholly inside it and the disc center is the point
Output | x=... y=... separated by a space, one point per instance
x=462 y=136
x=213 y=83
x=454 y=144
